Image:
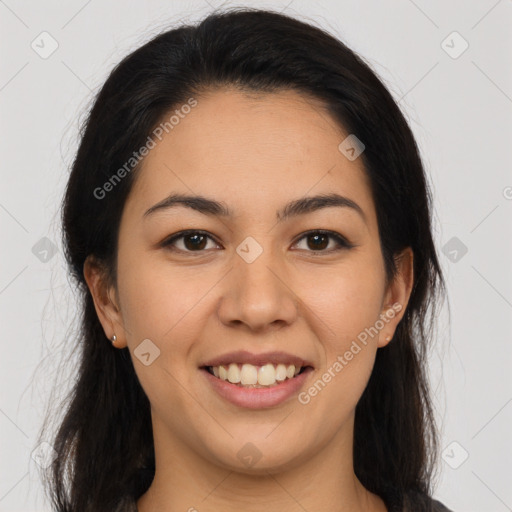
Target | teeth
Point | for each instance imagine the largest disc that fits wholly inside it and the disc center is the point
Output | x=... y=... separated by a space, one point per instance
x=223 y=373
x=253 y=376
x=280 y=372
x=248 y=375
x=266 y=375
x=234 y=373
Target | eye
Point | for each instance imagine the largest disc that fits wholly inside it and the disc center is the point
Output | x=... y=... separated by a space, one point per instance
x=196 y=241
x=193 y=241
x=320 y=240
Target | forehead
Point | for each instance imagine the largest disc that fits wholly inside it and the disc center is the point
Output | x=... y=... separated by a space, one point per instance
x=251 y=151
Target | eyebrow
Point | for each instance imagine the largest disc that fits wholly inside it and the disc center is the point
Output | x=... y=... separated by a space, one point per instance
x=294 y=208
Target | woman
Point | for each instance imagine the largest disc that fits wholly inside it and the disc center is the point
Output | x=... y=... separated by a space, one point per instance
x=248 y=220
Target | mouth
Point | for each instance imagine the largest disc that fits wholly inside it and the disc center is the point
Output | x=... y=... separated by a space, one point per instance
x=246 y=375
x=247 y=392
x=253 y=380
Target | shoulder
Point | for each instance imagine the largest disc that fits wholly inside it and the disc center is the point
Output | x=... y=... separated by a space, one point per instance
x=421 y=502
x=413 y=501
x=437 y=506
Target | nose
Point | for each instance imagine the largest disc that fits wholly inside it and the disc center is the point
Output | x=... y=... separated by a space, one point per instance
x=258 y=295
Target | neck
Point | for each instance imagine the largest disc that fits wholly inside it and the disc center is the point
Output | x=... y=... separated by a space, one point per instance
x=186 y=480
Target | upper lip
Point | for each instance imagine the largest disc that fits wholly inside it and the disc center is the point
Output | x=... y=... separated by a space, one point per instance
x=243 y=356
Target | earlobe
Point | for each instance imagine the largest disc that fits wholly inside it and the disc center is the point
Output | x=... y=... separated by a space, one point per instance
x=387 y=318
x=108 y=313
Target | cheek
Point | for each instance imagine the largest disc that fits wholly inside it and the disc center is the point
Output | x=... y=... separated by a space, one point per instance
x=348 y=300
x=166 y=306
x=346 y=303
x=156 y=298
x=350 y=308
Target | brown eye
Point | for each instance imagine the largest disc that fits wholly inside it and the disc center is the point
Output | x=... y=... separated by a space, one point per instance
x=196 y=241
x=318 y=241
x=192 y=241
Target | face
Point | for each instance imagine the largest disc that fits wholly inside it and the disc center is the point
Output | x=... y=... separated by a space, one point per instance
x=262 y=279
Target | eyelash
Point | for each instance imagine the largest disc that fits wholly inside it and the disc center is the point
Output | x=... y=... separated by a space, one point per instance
x=340 y=240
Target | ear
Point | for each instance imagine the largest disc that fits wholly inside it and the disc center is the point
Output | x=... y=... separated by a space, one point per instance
x=108 y=312
x=397 y=296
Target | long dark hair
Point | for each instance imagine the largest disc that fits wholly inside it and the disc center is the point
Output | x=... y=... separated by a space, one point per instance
x=104 y=443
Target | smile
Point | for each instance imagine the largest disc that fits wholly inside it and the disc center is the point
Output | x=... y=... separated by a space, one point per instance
x=256 y=396
x=251 y=376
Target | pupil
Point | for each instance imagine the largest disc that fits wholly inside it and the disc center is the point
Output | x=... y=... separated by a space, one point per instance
x=194 y=245
x=317 y=236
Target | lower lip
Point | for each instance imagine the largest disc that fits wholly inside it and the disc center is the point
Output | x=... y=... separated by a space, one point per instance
x=257 y=398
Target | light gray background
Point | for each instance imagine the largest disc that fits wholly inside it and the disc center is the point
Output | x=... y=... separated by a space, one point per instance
x=460 y=110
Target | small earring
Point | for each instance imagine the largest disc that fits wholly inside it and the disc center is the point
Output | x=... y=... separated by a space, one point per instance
x=114 y=338
x=388 y=338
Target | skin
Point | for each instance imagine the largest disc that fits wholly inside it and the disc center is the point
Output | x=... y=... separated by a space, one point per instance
x=253 y=153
